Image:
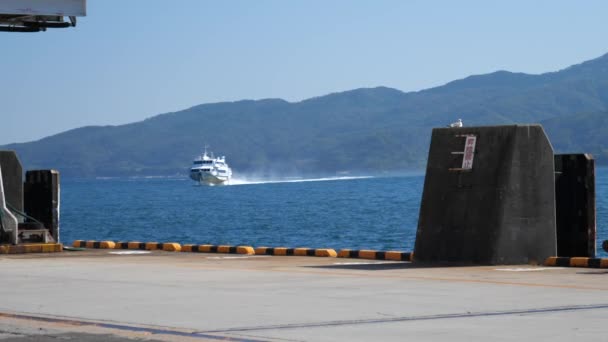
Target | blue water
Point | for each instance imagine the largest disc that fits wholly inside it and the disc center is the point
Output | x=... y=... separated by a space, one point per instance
x=361 y=213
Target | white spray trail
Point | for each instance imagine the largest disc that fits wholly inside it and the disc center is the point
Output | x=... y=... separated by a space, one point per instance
x=244 y=181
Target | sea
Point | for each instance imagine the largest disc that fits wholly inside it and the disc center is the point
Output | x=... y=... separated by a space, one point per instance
x=339 y=212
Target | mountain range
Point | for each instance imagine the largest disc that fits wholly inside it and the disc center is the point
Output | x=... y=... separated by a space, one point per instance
x=362 y=131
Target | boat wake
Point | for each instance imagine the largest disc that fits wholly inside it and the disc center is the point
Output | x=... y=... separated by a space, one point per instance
x=245 y=181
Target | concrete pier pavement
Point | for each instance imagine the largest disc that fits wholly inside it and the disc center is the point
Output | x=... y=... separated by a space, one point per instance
x=97 y=296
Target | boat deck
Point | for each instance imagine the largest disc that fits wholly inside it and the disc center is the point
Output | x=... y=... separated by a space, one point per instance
x=93 y=295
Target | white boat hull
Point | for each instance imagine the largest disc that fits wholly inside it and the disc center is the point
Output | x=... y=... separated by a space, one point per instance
x=207 y=178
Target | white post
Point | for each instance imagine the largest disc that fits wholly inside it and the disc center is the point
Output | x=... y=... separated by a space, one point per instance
x=9 y=221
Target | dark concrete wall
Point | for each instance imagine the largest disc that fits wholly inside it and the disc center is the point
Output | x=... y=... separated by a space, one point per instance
x=575 y=205
x=12 y=178
x=42 y=198
x=502 y=211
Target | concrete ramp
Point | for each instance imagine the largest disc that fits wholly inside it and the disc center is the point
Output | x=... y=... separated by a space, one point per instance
x=489 y=197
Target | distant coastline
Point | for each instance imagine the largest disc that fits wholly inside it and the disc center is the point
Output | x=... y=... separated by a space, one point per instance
x=366 y=131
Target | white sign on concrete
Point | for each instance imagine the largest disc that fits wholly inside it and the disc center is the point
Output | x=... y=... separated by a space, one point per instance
x=469 y=152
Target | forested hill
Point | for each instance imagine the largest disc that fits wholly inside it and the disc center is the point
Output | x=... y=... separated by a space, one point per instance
x=371 y=131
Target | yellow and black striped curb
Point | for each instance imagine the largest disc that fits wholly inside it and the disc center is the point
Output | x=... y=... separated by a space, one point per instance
x=94 y=244
x=31 y=248
x=218 y=249
x=376 y=255
x=577 y=262
x=149 y=246
x=319 y=252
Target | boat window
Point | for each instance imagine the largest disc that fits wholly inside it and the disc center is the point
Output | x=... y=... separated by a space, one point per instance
x=198 y=162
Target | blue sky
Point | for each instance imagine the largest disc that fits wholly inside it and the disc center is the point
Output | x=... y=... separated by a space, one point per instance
x=129 y=60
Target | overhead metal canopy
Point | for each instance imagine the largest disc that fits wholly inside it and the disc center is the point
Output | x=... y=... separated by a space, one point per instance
x=38 y=15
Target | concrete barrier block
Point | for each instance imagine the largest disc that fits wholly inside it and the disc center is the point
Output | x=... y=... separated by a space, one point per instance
x=205 y=248
x=344 y=253
x=326 y=252
x=248 y=250
x=136 y=245
x=575 y=205
x=300 y=251
x=52 y=248
x=390 y=255
x=367 y=254
x=397 y=256
x=171 y=247
x=489 y=197
x=121 y=245
x=551 y=261
x=107 y=244
x=189 y=248
x=31 y=248
x=579 y=262
x=262 y=251
x=151 y=246
x=280 y=251
x=223 y=249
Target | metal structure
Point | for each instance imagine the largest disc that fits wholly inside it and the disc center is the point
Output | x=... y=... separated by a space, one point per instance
x=27 y=219
x=38 y=15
